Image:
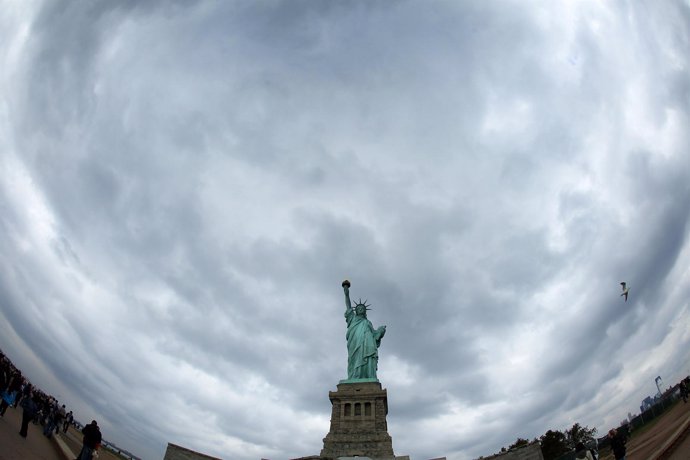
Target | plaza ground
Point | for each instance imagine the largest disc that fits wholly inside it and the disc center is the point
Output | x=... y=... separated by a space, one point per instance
x=36 y=446
x=647 y=443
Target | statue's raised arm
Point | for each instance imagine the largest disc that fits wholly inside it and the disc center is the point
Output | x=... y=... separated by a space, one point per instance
x=362 y=340
x=346 y=288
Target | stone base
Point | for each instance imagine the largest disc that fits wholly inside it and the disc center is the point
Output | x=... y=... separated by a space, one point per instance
x=358 y=422
x=318 y=457
x=404 y=457
x=175 y=452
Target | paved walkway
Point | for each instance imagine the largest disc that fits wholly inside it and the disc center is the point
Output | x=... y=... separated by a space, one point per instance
x=14 y=447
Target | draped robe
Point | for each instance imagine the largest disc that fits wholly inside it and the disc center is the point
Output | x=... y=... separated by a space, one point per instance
x=362 y=346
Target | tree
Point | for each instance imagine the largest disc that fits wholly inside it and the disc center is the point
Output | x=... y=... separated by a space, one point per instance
x=553 y=444
x=519 y=443
x=578 y=433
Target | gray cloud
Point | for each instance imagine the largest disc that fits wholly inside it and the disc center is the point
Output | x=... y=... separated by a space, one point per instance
x=185 y=185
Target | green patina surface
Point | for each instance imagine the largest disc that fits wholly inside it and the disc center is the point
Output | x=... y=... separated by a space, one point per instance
x=375 y=380
x=363 y=342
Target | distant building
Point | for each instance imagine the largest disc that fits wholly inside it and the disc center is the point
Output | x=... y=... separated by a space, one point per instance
x=647 y=403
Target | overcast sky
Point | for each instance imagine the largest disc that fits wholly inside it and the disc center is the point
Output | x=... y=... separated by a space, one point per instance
x=184 y=186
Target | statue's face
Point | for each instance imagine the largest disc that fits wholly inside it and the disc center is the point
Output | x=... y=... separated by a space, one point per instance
x=360 y=310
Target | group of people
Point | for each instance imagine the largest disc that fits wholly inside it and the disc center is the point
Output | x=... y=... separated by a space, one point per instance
x=37 y=407
x=40 y=408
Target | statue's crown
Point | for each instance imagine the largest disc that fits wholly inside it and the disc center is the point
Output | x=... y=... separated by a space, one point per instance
x=364 y=304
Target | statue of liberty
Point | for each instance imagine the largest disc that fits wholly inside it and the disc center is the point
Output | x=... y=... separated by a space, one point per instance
x=362 y=340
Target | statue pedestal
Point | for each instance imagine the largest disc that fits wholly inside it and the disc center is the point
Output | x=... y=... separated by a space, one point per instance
x=358 y=422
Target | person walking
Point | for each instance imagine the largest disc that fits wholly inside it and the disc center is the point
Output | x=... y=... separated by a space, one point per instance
x=617 y=445
x=91 y=442
x=68 y=421
x=51 y=416
x=29 y=409
x=59 y=418
x=10 y=393
x=8 y=398
x=582 y=453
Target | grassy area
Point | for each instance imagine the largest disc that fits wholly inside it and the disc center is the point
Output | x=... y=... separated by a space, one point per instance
x=647 y=426
x=640 y=431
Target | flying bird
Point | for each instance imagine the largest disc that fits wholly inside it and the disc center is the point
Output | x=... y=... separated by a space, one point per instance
x=626 y=289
